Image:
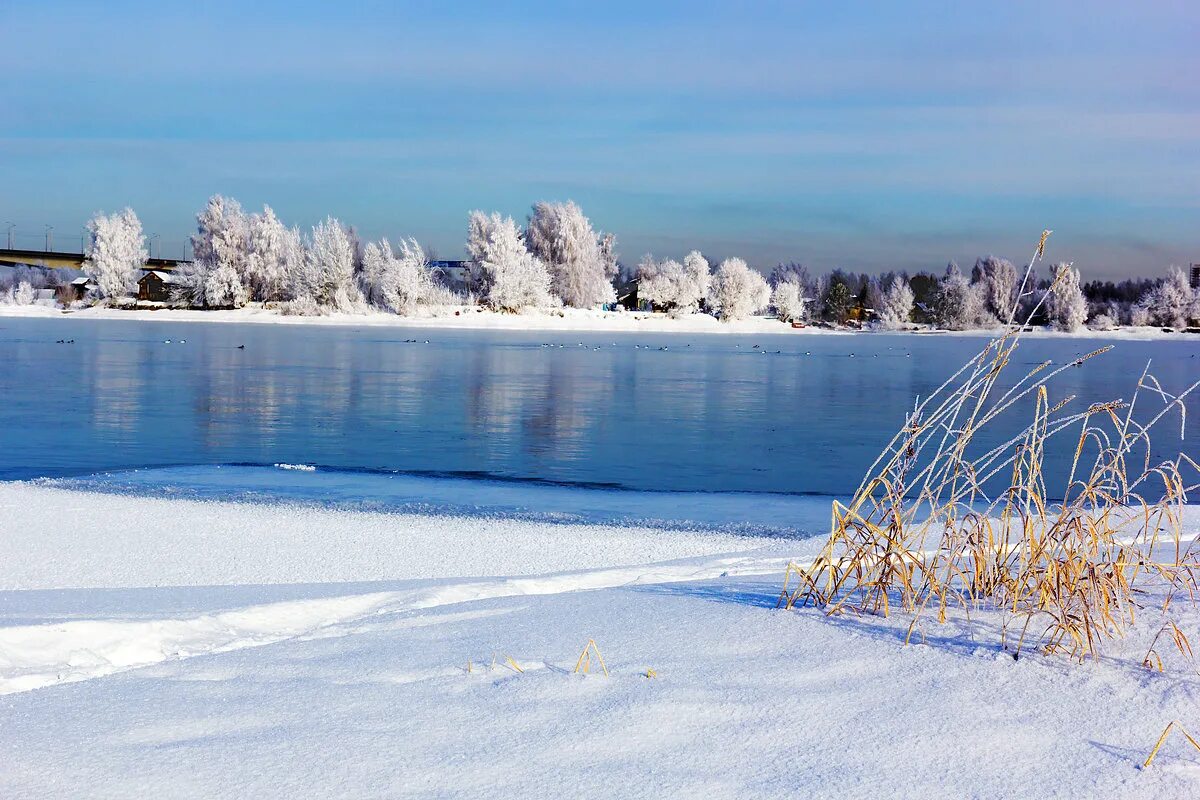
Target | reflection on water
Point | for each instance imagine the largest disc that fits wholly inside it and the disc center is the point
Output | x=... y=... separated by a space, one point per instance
x=800 y=413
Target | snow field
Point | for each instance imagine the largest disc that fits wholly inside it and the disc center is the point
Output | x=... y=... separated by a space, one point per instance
x=287 y=675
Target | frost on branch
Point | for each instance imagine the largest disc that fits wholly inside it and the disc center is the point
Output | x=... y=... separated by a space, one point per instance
x=671 y=286
x=581 y=271
x=216 y=278
x=273 y=251
x=737 y=291
x=327 y=279
x=1066 y=306
x=116 y=253
x=788 y=301
x=1171 y=304
x=397 y=283
x=896 y=309
x=504 y=274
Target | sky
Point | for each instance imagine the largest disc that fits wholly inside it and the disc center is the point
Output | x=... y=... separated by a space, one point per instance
x=867 y=136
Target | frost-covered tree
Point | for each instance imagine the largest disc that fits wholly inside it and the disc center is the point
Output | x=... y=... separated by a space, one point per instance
x=220 y=252
x=672 y=286
x=895 y=310
x=698 y=273
x=1172 y=303
x=223 y=288
x=955 y=304
x=271 y=253
x=737 y=291
x=1000 y=281
x=608 y=256
x=116 y=253
x=21 y=293
x=1106 y=319
x=1140 y=316
x=397 y=282
x=791 y=273
x=1067 y=307
x=329 y=279
x=506 y=275
x=562 y=238
x=789 y=302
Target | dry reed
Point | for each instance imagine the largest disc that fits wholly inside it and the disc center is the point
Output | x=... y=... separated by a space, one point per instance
x=922 y=534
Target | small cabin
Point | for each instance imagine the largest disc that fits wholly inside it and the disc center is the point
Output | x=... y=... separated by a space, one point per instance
x=81 y=286
x=156 y=286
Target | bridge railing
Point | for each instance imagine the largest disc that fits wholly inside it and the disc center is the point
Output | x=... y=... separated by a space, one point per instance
x=76 y=242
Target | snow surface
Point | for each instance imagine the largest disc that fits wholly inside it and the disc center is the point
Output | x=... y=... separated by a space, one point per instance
x=568 y=319
x=292 y=651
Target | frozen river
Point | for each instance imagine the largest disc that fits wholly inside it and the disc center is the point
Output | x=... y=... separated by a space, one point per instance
x=793 y=414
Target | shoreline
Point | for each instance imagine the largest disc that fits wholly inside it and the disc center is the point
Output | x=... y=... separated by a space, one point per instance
x=569 y=320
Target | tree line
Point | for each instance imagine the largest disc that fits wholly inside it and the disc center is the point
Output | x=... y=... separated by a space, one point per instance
x=559 y=259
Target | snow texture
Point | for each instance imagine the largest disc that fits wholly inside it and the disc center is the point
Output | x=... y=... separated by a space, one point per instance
x=453 y=676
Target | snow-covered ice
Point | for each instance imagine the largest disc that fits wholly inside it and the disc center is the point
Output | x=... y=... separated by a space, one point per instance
x=198 y=648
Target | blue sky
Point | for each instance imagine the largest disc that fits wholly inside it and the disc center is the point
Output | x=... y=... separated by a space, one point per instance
x=863 y=135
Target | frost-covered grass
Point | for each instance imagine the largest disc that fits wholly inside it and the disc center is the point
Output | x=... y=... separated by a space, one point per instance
x=289 y=651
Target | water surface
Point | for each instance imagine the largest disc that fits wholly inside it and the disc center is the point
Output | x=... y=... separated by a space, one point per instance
x=673 y=412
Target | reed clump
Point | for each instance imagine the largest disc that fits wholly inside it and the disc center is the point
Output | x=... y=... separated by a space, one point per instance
x=941 y=522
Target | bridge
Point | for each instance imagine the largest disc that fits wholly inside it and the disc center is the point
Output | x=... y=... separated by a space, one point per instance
x=51 y=259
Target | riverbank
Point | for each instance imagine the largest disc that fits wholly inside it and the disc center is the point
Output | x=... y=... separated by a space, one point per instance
x=286 y=650
x=569 y=319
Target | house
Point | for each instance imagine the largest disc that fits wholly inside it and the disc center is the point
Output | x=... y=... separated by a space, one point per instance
x=81 y=286
x=156 y=285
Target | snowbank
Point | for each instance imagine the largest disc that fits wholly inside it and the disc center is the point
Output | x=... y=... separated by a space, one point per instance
x=453 y=677
x=570 y=319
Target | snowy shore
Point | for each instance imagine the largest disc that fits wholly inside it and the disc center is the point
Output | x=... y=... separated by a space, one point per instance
x=184 y=648
x=570 y=319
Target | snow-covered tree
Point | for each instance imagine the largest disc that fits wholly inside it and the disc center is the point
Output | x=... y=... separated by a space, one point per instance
x=397 y=283
x=738 y=291
x=1001 y=282
x=895 y=310
x=328 y=278
x=223 y=288
x=698 y=273
x=116 y=253
x=506 y=275
x=672 y=286
x=1140 y=316
x=271 y=252
x=1172 y=303
x=792 y=273
x=789 y=302
x=1067 y=307
x=608 y=256
x=955 y=304
x=1105 y=320
x=220 y=253
x=562 y=238
x=21 y=293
